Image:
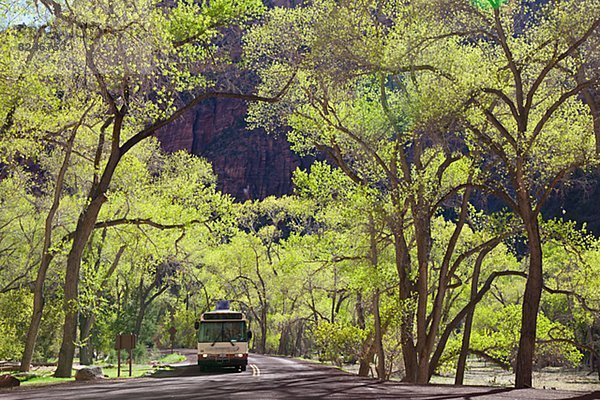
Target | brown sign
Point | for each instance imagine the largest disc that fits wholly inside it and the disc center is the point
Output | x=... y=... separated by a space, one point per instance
x=125 y=341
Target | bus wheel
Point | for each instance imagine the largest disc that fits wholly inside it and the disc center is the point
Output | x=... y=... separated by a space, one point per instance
x=242 y=368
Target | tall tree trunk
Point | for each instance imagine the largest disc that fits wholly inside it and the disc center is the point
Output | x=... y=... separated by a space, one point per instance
x=409 y=353
x=378 y=337
x=38 y=291
x=298 y=347
x=85 y=330
x=376 y=314
x=284 y=339
x=85 y=225
x=139 y=320
x=533 y=291
x=423 y=235
x=366 y=354
x=364 y=365
x=263 y=329
x=464 y=349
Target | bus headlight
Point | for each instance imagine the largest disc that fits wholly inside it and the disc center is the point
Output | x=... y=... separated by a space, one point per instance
x=204 y=355
x=240 y=355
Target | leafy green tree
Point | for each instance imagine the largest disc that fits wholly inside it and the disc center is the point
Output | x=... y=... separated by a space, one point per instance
x=381 y=118
x=392 y=112
x=519 y=118
x=141 y=63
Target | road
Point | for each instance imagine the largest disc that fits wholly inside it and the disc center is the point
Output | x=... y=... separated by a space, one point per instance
x=272 y=378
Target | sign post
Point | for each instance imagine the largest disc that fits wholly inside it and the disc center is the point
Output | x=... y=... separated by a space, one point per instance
x=125 y=342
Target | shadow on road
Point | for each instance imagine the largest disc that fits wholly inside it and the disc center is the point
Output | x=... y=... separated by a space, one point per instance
x=188 y=370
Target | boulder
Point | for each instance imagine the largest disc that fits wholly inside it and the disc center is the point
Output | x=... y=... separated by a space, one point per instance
x=89 y=374
x=7 y=381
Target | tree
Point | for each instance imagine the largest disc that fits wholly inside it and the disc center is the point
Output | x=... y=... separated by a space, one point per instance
x=513 y=118
x=142 y=62
x=385 y=118
x=519 y=117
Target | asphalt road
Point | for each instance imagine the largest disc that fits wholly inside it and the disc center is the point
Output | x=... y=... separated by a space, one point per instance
x=272 y=378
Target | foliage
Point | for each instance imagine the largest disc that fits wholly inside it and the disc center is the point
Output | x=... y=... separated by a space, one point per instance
x=14 y=308
x=338 y=342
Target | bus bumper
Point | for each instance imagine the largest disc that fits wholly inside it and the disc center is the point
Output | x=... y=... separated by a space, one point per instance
x=215 y=361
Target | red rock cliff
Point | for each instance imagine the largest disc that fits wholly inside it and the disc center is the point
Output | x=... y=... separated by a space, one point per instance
x=249 y=164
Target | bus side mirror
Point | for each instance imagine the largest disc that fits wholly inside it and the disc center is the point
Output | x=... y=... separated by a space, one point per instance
x=196 y=325
x=249 y=335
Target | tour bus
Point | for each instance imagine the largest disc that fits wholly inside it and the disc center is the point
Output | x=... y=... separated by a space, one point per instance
x=223 y=339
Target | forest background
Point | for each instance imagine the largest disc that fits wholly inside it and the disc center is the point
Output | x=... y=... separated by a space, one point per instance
x=416 y=243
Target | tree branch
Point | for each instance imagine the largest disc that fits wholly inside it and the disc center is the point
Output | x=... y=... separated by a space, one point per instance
x=149 y=131
x=556 y=60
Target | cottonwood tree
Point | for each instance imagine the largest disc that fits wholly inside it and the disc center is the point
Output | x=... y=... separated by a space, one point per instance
x=389 y=119
x=161 y=207
x=525 y=117
x=146 y=66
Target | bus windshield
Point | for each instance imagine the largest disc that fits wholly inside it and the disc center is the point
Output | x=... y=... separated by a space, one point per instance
x=222 y=331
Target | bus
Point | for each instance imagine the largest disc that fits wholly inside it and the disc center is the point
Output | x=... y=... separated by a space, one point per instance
x=223 y=340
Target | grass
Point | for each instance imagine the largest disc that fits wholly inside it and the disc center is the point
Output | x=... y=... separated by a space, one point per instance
x=172 y=358
x=43 y=376
x=137 y=370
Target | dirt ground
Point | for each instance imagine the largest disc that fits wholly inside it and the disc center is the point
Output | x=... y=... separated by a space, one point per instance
x=482 y=373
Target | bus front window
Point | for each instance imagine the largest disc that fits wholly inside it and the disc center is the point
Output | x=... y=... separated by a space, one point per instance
x=230 y=331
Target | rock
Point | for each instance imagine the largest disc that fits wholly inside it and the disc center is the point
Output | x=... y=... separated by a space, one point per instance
x=248 y=164
x=7 y=381
x=89 y=374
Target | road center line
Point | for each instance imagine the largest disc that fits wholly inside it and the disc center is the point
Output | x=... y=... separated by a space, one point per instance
x=255 y=370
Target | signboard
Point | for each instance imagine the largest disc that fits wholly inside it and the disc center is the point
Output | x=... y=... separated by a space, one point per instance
x=125 y=341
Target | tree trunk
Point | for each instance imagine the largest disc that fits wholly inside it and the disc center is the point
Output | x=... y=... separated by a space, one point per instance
x=139 y=319
x=378 y=337
x=85 y=225
x=464 y=350
x=376 y=314
x=533 y=291
x=364 y=365
x=82 y=234
x=263 y=330
x=368 y=351
x=38 y=291
x=85 y=329
x=298 y=347
x=366 y=354
x=284 y=340
x=423 y=235
x=409 y=353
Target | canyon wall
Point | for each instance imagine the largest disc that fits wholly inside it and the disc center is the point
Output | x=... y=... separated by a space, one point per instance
x=248 y=164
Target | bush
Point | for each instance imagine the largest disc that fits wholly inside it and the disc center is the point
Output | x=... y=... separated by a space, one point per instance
x=338 y=342
x=15 y=315
x=496 y=333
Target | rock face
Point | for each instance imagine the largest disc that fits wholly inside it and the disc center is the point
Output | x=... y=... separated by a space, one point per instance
x=7 y=381
x=249 y=164
x=89 y=374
